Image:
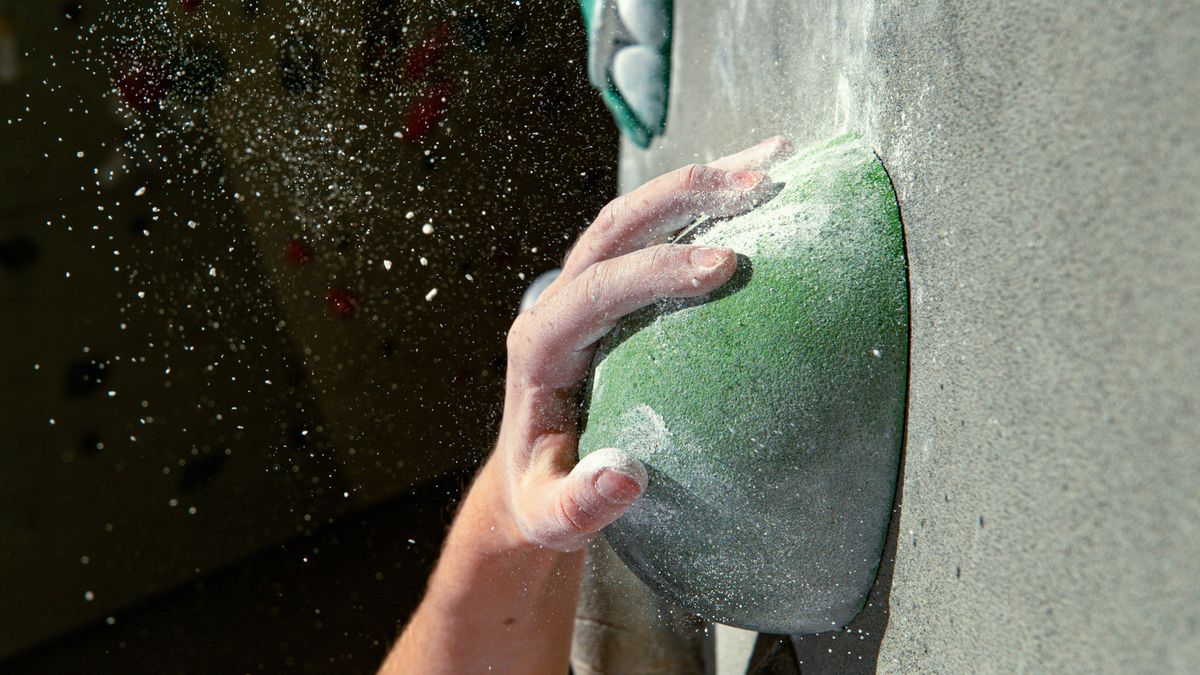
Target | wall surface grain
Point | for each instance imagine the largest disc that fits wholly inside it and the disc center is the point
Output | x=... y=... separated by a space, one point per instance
x=1045 y=156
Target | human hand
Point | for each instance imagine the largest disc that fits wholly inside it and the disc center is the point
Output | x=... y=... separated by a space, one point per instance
x=617 y=266
x=509 y=574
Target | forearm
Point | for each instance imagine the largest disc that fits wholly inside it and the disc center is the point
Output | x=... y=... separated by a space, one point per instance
x=495 y=603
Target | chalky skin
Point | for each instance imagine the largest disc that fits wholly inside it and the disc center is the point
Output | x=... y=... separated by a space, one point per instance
x=509 y=575
x=769 y=414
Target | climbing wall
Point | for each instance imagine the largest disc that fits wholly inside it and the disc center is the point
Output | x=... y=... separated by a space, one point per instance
x=1044 y=157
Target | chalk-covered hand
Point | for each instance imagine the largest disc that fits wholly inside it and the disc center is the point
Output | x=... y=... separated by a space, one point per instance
x=505 y=588
x=619 y=264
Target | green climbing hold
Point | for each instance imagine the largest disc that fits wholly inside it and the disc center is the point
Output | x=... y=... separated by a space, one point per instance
x=769 y=414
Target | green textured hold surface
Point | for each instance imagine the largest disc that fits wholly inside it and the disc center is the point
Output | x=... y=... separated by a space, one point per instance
x=769 y=415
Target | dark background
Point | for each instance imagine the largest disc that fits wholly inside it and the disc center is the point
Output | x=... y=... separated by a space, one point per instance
x=231 y=434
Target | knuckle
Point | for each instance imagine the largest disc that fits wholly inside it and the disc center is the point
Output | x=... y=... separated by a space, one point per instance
x=607 y=227
x=595 y=280
x=609 y=219
x=571 y=514
x=663 y=257
x=692 y=177
x=518 y=333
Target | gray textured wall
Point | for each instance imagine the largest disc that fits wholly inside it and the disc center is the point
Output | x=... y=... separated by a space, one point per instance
x=1046 y=159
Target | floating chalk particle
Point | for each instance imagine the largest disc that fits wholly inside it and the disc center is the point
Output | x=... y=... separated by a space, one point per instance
x=427 y=229
x=387 y=264
x=431 y=294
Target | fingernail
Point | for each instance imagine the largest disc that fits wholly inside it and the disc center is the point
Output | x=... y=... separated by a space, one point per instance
x=710 y=258
x=617 y=487
x=748 y=180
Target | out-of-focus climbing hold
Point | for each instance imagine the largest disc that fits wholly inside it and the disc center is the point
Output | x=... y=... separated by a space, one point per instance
x=10 y=67
x=197 y=70
x=427 y=52
x=426 y=112
x=629 y=57
x=640 y=75
x=301 y=69
x=142 y=78
x=770 y=413
x=297 y=253
x=342 y=303
x=647 y=21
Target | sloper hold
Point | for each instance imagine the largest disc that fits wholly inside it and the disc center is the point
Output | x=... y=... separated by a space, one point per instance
x=769 y=414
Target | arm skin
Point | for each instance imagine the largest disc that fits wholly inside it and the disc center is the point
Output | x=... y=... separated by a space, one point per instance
x=502 y=598
x=496 y=603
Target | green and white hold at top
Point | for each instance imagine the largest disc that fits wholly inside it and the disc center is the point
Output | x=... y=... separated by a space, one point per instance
x=629 y=62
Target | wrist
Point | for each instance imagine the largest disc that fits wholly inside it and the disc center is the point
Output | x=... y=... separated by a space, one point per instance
x=486 y=542
x=488 y=513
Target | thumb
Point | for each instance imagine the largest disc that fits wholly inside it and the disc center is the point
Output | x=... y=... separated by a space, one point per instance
x=600 y=488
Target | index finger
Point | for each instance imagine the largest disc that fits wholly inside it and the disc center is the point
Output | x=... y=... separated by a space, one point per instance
x=725 y=187
x=663 y=206
x=551 y=344
x=756 y=158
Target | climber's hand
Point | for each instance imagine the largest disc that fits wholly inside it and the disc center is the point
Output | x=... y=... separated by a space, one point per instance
x=618 y=265
x=507 y=581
